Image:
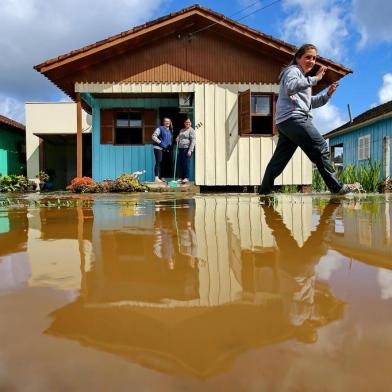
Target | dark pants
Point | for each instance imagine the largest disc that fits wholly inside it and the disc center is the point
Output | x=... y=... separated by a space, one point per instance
x=183 y=163
x=162 y=163
x=300 y=132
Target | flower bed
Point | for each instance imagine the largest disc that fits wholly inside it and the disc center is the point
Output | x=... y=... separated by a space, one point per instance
x=124 y=183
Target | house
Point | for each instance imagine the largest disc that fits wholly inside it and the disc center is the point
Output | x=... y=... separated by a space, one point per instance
x=51 y=141
x=12 y=147
x=193 y=63
x=367 y=136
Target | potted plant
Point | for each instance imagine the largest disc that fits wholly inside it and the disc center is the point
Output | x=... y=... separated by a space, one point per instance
x=43 y=179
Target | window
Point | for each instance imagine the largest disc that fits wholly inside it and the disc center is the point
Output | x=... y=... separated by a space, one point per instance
x=256 y=113
x=364 y=147
x=128 y=128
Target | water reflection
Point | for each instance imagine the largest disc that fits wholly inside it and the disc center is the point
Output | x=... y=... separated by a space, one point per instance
x=186 y=285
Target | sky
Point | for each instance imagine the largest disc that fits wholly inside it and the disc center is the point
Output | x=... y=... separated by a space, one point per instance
x=355 y=33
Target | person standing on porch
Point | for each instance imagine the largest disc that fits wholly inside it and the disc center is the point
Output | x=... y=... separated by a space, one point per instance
x=294 y=122
x=186 y=141
x=162 y=143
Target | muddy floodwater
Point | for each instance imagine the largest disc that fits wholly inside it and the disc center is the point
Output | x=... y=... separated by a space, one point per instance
x=151 y=292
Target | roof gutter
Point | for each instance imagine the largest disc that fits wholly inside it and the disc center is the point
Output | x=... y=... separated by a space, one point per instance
x=362 y=124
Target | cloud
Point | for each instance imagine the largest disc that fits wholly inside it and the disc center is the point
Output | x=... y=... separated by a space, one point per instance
x=373 y=20
x=385 y=92
x=32 y=31
x=384 y=279
x=12 y=108
x=321 y=22
x=327 y=118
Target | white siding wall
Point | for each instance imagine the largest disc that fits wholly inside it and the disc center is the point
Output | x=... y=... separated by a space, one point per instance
x=222 y=157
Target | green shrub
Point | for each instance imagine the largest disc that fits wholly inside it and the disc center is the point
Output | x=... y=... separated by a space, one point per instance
x=15 y=183
x=318 y=184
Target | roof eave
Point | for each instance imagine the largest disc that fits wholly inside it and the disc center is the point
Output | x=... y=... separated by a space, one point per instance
x=357 y=126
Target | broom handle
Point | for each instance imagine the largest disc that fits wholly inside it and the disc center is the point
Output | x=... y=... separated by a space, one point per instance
x=175 y=162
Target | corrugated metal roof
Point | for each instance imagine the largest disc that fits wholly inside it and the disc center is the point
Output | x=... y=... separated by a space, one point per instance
x=267 y=39
x=372 y=114
x=12 y=123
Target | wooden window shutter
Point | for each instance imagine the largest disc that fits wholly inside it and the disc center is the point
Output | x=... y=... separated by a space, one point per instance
x=107 y=126
x=274 y=127
x=149 y=125
x=244 y=123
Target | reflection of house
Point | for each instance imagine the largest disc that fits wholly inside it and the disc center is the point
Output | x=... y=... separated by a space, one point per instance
x=12 y=147
x=196 y=314
x=367 y=234
x=368 y=136
x=225 y=78
x=13 y=231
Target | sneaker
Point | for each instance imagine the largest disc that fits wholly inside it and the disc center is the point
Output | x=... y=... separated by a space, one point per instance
x=350 y=188
x=185 y=181
x=157 y=179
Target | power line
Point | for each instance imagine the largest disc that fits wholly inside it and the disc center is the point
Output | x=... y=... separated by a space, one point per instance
x=238 y=12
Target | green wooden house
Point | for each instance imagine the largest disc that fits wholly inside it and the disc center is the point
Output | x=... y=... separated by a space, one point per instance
x=12 y=147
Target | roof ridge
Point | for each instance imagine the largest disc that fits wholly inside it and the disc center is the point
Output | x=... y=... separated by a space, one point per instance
x=280 y=43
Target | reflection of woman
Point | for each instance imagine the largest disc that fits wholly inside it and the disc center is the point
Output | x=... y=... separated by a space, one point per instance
x=298 y=280
x=162 y=140
x=186 y=143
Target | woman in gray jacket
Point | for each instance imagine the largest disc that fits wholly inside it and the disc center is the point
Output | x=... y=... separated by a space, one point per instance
x=294 y=122
x=186 y=144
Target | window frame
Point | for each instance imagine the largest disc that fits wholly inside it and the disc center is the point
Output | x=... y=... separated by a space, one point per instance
x=116 y=111
x=364 y=156
x=273 y=98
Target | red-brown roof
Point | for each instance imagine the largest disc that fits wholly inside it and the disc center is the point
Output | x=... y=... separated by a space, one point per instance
x=196 y=8
x=372 y=114
x=12 y=123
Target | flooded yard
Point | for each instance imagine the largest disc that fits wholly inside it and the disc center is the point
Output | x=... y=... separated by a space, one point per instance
x=152 y=292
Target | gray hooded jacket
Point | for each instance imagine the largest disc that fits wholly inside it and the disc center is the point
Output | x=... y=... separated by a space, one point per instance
x=295 y=94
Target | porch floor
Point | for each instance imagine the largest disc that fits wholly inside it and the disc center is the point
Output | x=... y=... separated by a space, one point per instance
x=164 y=187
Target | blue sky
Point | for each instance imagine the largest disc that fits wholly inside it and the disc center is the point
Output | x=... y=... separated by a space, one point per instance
x=356 y=33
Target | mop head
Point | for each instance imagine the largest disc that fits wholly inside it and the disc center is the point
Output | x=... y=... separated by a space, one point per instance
x=173 y=184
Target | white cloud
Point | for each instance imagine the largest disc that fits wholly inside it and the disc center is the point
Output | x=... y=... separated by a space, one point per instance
x=384 y=278
x=32 y=31
x=320 y=22
x=373 y=20
x=328 y=264
x=12 y=108
x=385 y=92
x=327 y=118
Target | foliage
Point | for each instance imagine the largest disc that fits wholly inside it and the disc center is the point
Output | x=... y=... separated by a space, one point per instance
x=43 y=177
x=124 y=183
x=14 y=183
x=387 y=185
x=82 y=185
x=318 y=184
x=128 y=183
x=289 y=189
x=368 y=175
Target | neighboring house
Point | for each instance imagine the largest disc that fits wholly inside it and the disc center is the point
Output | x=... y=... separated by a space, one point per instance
x=12 y=147
x=195 y=63
x=51 y=141
x=368 y=136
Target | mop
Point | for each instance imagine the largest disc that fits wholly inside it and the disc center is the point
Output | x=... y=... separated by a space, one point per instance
x=173 y=183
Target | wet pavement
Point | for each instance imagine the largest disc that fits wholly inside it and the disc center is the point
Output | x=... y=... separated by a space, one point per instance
x=172 y=292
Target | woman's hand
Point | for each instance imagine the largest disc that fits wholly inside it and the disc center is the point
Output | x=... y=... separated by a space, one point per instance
x=189 y=154
x=321 y=72
x=332 y=89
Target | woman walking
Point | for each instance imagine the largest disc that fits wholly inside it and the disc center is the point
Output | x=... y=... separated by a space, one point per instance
x=186 y=144
x=162 y=140
x=294 y=122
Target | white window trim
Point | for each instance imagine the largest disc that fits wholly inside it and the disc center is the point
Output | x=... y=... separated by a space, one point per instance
x=364 y=147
